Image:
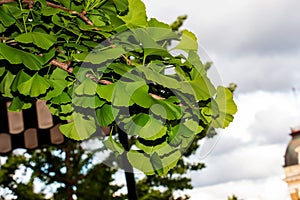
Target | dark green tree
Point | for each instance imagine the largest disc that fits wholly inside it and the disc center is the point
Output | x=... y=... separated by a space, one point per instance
x=69 y=169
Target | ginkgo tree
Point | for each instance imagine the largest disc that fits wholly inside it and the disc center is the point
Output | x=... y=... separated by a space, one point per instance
x=104 y=65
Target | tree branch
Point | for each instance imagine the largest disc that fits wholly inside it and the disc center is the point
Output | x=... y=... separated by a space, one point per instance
x=81 y=15
x=62 y=65
x=53 y=5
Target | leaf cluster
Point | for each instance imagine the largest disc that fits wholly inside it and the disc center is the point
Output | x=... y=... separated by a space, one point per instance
x=103 y=63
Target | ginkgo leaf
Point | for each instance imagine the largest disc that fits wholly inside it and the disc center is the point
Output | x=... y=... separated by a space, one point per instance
x=166 y=109
x=6 y=19
x=35 y=86
x=87 y=87
x=17 y=105
x=188 y=42
x=227 y=108
x=136 y=16
x=16 y=56
x=20 y=78
x=100 y=56
x=42 y=40
x=80 y=128
x=141 y=162
x=5 y=84
x=112 y=145
x=105 y=115
x=121 y=5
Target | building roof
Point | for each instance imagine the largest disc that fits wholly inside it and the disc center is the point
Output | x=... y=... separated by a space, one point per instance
x=291 y=156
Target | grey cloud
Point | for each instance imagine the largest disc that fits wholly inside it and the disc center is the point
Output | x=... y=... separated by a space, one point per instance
x=252 y=43
x=258 y=72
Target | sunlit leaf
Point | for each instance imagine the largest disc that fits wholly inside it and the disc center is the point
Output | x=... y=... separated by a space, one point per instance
x=16 y=56
x=227 y=108
x=136 y=17
x=80 y=128
x=34 y=87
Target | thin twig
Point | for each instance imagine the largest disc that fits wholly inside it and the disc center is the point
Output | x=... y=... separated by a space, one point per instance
x=81 y=15
x=62 y=65
x=106 y=82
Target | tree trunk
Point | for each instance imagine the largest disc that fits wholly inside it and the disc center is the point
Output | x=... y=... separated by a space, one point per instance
x=129 y=175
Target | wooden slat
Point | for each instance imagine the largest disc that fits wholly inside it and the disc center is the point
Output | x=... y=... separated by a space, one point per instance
x=15 y=121
x=5 y=143
x=44 y=116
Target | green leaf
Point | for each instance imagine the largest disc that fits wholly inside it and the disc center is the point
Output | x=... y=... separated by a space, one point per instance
x=170 y=160
x=201 y=87
x=188 y=42
x=142 y=98
x=80 y=128
x=149 y=149
x=105 y=116
x=227 y=108
x=166 y=110
x=148 y=44
x=87 y=87
x=123 y=92
x=2 y=28
x=63 y=98
x=136 y=16
x=158 y=78
x=5 y=85
x=6 y=19
x=111 y=144
x=100 y=56
x=87 y=101
x=106 y=91
x=42 y=40
x=145 y=126
x=160 y=31
x=59 y=83
x=35 y=86
x=11 y=10
x=16 y=56
x=17 y=105
x=157 y=164
x=141 y=162
x=48 y=11
x=2 y=70
x=121 y=5
x=19 y=79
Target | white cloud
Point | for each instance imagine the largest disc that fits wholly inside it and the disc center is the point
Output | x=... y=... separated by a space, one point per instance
x=236 y=26
x=272 y=188
x=258 y=72
x=253 y=147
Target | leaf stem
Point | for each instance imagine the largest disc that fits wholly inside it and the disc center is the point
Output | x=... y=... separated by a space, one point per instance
x=24 y=20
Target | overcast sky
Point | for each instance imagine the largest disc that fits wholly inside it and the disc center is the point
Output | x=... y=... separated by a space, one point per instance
x=255 y=44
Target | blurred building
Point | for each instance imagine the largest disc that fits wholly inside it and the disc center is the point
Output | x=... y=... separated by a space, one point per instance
x=292 y=164
x=28 y=129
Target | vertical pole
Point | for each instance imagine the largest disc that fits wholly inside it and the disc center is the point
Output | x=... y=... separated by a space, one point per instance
x=129 y=175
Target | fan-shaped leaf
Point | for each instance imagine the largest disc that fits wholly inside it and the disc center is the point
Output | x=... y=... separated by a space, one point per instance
x=35 y=86
x=42 y=40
